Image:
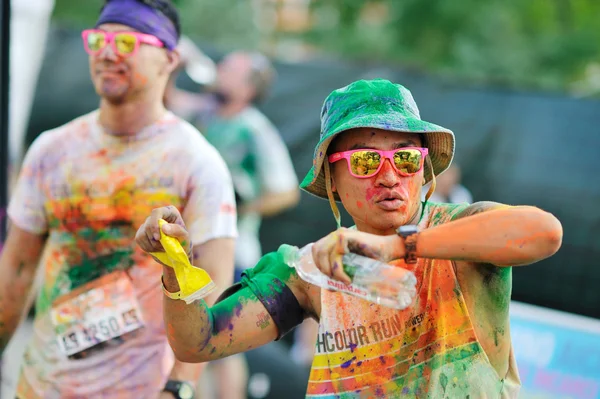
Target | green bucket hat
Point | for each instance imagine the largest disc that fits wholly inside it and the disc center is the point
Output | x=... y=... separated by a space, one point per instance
x=377 y=104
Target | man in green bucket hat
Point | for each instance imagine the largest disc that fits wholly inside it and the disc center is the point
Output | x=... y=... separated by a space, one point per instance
x=374 y=155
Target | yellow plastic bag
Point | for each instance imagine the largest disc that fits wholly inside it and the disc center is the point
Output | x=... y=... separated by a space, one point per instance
x=194 y=283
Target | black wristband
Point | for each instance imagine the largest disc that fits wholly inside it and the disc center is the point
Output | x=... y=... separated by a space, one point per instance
x=277 y=298
x=283 y=306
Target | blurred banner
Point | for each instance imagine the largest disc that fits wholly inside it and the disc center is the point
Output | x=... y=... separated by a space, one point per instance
x=29 y=24
x=558 y=354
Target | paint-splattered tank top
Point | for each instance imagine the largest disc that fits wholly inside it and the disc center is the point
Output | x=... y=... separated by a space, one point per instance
x=429 y=350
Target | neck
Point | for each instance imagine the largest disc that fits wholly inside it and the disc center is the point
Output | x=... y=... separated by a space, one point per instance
x=129 y=118
x=417 y=215
x=232 y=109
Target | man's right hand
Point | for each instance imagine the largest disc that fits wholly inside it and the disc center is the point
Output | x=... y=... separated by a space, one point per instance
x=148 y=235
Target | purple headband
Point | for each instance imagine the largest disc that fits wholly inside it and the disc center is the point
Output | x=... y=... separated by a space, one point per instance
x=140 y=17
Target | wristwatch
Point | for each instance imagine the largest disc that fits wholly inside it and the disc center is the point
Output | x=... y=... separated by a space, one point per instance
x=180 y=389
x=409 y=233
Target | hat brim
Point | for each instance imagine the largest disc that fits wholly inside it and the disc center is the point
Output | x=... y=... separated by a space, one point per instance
x=439 y=140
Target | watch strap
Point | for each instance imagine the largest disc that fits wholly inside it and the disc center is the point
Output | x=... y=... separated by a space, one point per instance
x=174 y=387
x=410 y=246
x=409 y=235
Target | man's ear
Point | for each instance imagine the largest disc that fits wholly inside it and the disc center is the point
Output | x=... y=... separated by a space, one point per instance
x=333 y=187
x=173 y=59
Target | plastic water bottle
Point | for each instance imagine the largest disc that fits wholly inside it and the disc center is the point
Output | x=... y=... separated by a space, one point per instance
x=372 y=280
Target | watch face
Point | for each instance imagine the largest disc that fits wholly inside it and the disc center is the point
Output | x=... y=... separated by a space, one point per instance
x=186 y=391
x=407 y=230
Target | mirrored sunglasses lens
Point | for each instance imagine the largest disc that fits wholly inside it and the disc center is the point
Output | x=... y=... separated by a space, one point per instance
x=125 y=43
x=365 y=163
x=96 y=41
x=408 y=161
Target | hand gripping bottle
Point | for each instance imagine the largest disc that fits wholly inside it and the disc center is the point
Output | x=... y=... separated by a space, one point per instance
x=372 y=280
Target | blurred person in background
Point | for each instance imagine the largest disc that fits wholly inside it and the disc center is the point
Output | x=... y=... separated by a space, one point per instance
x=264 y=179
x=83 y=189
x=448 y=188
x=454 y=340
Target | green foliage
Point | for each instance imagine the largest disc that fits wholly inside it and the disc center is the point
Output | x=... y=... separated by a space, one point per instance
x=226 y=23
x=78 y=13
x=543 y=44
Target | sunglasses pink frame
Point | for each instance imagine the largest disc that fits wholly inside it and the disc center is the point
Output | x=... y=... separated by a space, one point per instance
x=383 y=154
x=110 y=39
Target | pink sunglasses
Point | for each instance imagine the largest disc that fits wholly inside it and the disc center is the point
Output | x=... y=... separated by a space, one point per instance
x=124 y=44
x=364 y=163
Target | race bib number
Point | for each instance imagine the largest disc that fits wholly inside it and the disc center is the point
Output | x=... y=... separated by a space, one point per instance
x=97 y=312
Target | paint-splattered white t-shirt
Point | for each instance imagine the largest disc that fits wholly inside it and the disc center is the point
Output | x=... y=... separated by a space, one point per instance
x=90 y=192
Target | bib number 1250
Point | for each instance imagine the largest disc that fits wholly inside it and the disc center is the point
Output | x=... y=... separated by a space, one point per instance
x=98 y=331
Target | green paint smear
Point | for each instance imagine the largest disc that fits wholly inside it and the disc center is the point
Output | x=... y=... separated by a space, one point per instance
x=266 y=279
x=443 y=381
x=272 y=264
x=88 y=269
x=439 y=360
x=446 y=212
x=91 y=269
x=498 y=331
x=224 y=313
x=501 y=288
x=261 y=279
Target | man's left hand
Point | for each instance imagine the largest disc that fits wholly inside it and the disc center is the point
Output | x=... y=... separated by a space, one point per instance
x=328 y=251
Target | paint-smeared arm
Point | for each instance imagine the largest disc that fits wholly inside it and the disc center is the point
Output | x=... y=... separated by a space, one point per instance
x=236 y=324
x=271 y=204
x=488 y=232
x=484 y=233
x=27 y=234
x=18 y=264
x=269 y=302
x=266 y=305
x=220 y=269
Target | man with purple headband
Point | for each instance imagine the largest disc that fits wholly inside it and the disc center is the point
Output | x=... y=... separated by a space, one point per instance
x=83 y=190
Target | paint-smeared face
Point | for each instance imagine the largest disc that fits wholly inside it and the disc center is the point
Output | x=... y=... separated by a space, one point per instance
x=118 y=79
x=381 y=203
